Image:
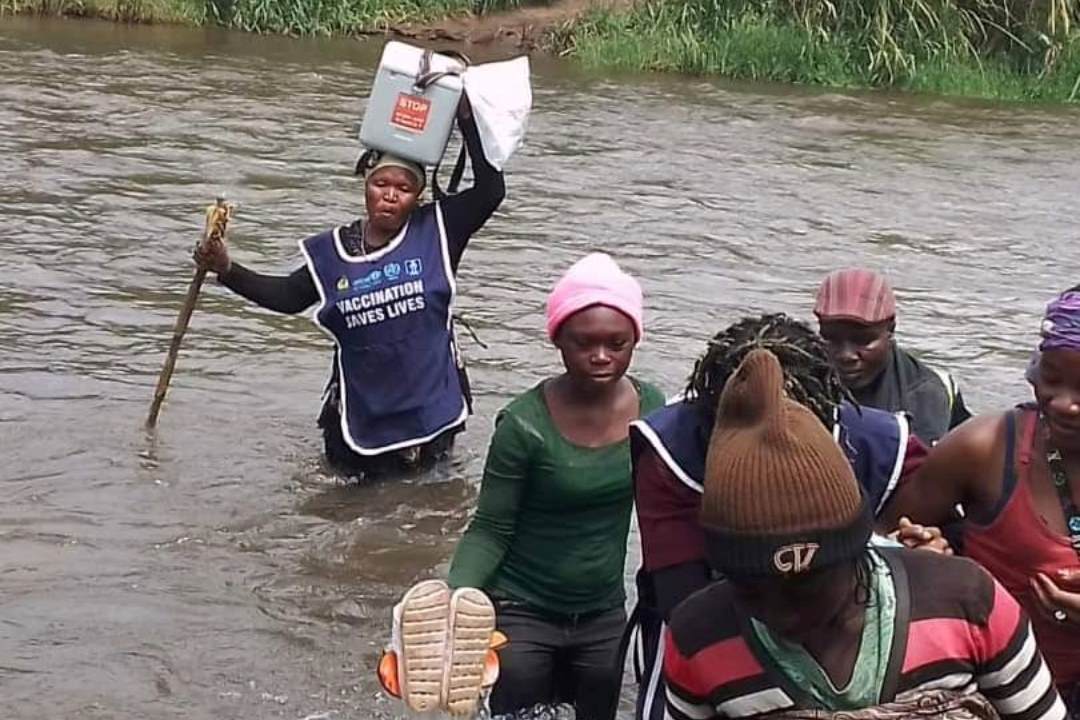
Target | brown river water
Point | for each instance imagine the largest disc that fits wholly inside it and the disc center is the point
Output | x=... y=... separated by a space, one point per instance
x=215 y=569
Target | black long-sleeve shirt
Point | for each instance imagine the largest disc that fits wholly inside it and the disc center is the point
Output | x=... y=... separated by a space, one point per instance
x=463 y=215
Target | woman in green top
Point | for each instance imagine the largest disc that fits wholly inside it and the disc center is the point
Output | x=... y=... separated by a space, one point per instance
x=548 y=540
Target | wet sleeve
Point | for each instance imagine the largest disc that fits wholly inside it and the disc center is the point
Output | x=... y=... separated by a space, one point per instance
x=667 y=512
x=1010 y=670
x=290 y=294
x=466 y=212
x=491 y=530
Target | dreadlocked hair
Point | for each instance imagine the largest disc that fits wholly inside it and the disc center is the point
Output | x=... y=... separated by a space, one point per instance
x=809 y=377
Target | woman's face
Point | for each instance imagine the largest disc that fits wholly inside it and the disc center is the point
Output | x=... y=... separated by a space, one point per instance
x=390 y=194
x=597 y=344
x=1057 y=391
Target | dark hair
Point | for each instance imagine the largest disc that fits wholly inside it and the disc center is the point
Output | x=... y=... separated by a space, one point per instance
x=809 y=377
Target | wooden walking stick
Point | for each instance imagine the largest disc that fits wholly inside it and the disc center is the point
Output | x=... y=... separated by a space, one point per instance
x=217 y=219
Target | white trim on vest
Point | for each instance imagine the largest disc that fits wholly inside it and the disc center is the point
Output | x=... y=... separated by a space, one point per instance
x=374 y=254
x=318 y=308
x=318 y=286
x=898 y=463
x=668 y=459
x=343 y=409
x=656 y=673
x=657 y=444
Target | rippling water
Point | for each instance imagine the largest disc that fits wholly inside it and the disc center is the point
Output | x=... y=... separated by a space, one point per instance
x=215 y=570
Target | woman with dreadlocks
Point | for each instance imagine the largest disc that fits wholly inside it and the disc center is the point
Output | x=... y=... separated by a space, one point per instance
x=385 y=290
x=810 y=622
x=669 y=448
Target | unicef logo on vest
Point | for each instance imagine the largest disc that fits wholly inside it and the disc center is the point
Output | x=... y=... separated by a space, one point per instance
x=414 y=267
x=392 y=271
x=371 y=280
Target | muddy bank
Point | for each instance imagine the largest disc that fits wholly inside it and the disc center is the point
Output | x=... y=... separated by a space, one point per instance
x=526 y=28
x=471 y=23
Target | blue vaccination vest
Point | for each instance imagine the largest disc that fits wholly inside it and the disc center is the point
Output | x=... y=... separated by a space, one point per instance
x=874 y=441
x=389 y=314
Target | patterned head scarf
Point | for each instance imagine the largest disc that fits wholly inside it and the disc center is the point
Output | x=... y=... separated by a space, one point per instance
x=1060 y=329
x=1061 y=325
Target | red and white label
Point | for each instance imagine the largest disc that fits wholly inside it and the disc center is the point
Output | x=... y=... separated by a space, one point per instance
x=411 y=112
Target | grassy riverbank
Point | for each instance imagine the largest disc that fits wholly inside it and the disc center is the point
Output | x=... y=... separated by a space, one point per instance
x=1007 y=49
x=306 y=17
x=1026 y=50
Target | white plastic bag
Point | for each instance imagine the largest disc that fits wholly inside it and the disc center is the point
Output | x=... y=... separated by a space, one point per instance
x=501 y=99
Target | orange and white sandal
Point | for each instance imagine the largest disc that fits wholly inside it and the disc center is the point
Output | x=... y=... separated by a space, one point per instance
x=442 y=654
x=472 y=624
x=421 y=628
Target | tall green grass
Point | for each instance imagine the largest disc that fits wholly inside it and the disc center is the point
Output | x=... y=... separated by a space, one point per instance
x=1020 y=49
x=186 y=12
x=337 y=17
x=297 y=17
x=329 y=17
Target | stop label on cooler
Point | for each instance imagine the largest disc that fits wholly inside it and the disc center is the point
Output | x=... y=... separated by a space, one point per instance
x=411 y=112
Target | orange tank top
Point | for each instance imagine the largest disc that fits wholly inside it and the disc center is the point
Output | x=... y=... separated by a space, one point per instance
x=1017 y=544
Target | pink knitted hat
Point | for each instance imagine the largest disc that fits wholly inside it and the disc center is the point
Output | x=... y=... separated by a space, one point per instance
x=594 y=280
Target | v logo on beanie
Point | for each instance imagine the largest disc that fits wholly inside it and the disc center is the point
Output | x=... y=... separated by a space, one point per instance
x=795 y=558
x=780 y=495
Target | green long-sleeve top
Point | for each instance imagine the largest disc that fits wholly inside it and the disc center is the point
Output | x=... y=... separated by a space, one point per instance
x=552 y=519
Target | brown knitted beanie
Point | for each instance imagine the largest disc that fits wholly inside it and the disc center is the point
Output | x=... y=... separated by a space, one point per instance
x=780 y=495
